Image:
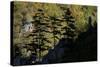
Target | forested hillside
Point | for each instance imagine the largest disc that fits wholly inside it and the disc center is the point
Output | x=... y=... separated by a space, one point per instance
x=44 y=29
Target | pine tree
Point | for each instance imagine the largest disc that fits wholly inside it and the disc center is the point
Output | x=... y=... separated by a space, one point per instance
x=70 y=25
x=38 y=34
x=55 y=23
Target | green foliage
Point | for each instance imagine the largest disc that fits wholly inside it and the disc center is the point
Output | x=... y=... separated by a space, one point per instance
x=53 y=10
